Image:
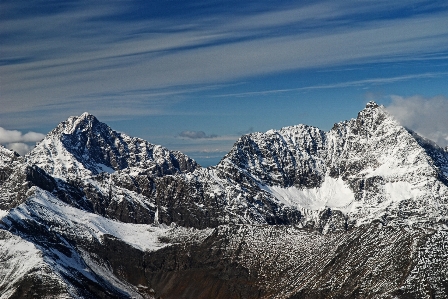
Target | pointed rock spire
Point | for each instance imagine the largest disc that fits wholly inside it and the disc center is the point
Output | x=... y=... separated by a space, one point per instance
x=372 y=105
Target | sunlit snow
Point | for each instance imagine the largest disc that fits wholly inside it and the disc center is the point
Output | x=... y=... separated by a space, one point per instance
x=141 y=236
x=3 y=213
x=333 y=193
x=399 y=191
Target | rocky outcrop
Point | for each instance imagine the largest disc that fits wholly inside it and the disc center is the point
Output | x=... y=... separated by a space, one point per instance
x=293 y=156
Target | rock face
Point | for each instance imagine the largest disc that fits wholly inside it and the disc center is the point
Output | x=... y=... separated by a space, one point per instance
x=357 y=212
x=368 y=168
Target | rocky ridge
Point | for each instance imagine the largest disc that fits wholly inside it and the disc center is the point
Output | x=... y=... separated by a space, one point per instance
x=356 y=212
x=368 y=168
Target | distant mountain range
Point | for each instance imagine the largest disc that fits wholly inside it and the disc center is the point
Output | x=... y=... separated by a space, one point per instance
x=360 y=211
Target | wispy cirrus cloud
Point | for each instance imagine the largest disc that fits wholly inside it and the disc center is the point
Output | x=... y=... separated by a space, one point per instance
x=89 y=50
x=353 y=83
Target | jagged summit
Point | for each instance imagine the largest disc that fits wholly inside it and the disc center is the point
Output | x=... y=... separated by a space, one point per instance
x=380 y=166
x=85 y=115
x=287 y=157
x=373 y=115
x=85 y=121
x=281 y=176
x=298 y=155
x=372 y=104
x=83 y=146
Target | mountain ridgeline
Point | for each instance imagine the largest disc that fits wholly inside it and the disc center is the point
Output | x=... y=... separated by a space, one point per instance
x=359 y=211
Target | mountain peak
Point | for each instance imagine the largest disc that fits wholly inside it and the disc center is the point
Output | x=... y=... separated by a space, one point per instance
x=373 y=109
x=372 y=105
x=78 y=123
x=86 y=115
x=379 y=187
x=373 y=115
x=82 y=146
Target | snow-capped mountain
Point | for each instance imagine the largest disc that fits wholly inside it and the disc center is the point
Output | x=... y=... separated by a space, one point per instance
x=100 y=170
x=82 y=146
x=365 y=169
x=359 y=211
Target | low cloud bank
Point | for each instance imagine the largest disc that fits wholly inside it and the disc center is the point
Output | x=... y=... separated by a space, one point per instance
x=196 y=135
x=17 y=141
x=426 y=116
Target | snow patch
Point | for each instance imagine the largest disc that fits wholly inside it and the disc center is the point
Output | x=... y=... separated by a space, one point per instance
x=3 y=213
x=398 y=191
x=18 y=258
x=104 y=168
x=334 y=193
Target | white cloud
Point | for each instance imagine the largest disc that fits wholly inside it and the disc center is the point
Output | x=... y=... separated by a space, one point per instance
x=32 y=137
x=7 y=136
x=426 y=116
x=15 y=140
x=20 y=147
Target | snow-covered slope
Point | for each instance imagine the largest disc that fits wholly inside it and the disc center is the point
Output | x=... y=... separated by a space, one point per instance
x=358 y=211
x=386 y=167
x=22 y=263
x=65 y=243
x=100 y=170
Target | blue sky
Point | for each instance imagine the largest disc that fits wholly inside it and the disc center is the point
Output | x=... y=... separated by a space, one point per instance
x=195 y=75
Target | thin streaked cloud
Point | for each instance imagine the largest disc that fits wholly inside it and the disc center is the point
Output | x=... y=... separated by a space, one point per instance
x=80 y=52
x=364 y=82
